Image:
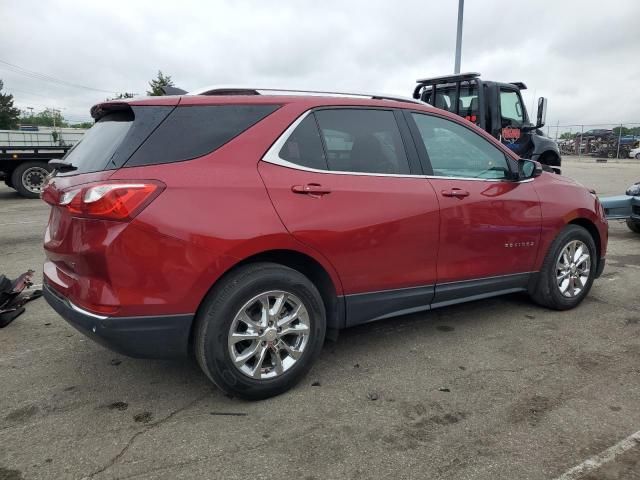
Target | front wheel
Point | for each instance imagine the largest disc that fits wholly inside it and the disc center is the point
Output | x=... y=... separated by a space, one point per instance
x=633 y=225
x=637 y=156
x=259 y=330
x=568 y=270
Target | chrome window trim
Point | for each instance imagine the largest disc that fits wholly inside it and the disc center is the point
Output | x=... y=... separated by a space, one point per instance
x=272 y=156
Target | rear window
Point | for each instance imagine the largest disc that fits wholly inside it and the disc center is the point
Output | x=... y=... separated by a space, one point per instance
x=146 y=135
x=99 y=144
x=193 y=131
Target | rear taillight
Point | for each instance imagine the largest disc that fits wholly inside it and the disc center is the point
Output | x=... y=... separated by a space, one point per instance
x=116 y=200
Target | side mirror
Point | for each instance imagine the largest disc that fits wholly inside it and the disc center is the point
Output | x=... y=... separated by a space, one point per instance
x=542 y=112
x=528 y=169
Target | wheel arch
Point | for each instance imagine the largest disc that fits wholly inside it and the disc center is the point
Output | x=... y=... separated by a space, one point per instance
x=590 y=227
x=303 y=263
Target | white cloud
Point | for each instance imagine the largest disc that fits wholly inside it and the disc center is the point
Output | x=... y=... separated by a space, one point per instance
x=582 y=55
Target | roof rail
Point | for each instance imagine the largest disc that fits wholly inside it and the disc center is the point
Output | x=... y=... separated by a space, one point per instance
x=235 y=90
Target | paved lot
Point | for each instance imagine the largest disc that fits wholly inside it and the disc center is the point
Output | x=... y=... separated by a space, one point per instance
x=497 y=389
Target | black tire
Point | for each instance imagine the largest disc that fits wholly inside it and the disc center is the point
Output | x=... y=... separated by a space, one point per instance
x=8 y=182
x=637 y=156
x=215 y=318
x=30 y=190
x=633 y=225
x=545 y=291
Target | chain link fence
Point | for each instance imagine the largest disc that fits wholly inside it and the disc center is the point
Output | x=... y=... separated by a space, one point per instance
x=598 y=140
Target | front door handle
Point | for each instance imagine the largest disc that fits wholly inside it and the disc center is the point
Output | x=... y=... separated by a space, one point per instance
x=455 y=192
x=311 y=189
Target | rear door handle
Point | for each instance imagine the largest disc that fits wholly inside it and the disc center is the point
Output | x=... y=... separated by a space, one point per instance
x=455 y=192
x=311 y=189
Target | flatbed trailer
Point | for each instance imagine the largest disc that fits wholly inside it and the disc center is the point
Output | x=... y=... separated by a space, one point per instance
x=25 y=168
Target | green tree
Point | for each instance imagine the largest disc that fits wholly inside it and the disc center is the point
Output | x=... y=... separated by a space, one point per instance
x=625 y=131
x=45 y=118
x=567 y=136
x=121 y=96
x=9 y=114
x=82 y=125
x=157 y=83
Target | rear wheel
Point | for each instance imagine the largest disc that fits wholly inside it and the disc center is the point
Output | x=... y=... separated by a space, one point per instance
x=637 y=156
x=259 y=331
x=568 y=270
x=28 y=178
x=633 y=225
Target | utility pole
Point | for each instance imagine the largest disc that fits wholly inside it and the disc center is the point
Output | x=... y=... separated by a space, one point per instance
x=456 y=69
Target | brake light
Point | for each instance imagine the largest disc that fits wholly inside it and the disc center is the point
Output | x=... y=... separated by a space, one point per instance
x=119 y=201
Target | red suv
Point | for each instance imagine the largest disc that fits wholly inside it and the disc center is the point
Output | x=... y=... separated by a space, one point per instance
x=242 y=225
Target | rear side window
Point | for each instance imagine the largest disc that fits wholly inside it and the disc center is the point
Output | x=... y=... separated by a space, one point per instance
x=100 y=143
x=362 y=140
x=304 y=146
x=193 y=131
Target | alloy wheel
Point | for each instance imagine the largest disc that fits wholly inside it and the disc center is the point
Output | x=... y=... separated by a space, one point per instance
x=572 y=268
x=269 y=334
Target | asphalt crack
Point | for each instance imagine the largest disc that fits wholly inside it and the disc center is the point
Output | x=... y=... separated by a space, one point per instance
x=133 y=438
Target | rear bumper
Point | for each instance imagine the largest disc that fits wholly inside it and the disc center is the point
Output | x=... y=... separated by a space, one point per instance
x=143 y=337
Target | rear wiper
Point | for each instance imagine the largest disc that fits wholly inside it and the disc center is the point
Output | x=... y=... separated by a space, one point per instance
x=62 y=166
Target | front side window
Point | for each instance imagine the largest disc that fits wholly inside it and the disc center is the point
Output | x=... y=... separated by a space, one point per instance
x=456 y=151
x=511 y=108
x=362 y=140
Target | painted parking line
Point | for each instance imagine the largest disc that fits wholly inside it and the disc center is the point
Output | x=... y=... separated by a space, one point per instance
x=602 y=458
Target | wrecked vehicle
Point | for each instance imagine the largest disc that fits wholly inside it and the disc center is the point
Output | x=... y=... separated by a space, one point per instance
x=625 y=207
x=12 y=298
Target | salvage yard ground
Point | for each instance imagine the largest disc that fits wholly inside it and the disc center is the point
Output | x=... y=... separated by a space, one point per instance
x=496 y=389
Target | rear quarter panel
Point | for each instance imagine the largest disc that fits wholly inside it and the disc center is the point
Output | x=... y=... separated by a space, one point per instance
x=214 y=213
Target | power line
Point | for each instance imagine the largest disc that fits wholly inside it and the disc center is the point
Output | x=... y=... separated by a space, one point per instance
x=11 y=90
x=48 y=78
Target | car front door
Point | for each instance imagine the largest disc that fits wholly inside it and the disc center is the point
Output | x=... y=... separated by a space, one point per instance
x=489 y=224
x=344 y=184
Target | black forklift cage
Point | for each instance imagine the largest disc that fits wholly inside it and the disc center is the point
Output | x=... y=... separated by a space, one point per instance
x=470 y=78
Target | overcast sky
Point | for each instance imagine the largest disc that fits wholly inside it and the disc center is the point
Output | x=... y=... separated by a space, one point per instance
x=582 y=55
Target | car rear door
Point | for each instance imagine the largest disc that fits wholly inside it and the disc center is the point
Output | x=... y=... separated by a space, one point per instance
x=489 y=224
x=343 y=183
